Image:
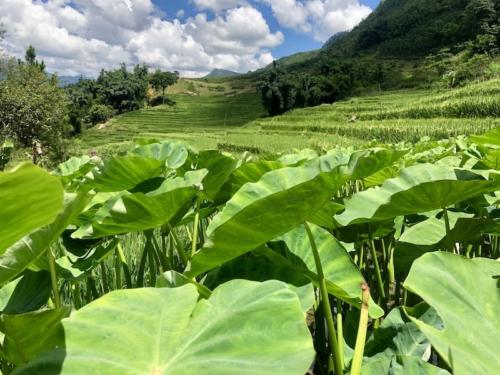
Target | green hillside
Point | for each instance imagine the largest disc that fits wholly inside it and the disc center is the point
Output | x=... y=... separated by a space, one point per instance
x=237 y=124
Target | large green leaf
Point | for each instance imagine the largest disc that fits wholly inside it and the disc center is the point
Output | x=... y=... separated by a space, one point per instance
x=259 y=212
x=25 y=251
x=468 y=302
x=132 y=212
x=219 y=169
x=27 y=293
x=368 y=162
x=172 y=154
x=420 y=188
x=491 y=138
x=428 y=235
x=30 y=198
x=402 y=365
x=243 y=328
x=343 y=277
x=398 y=336
x=31 y=334
x=124 y=173
x=74 y=168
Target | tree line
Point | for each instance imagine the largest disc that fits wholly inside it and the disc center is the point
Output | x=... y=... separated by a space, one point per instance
x=36 y=113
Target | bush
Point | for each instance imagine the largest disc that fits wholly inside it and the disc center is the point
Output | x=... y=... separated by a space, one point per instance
x=99 y=113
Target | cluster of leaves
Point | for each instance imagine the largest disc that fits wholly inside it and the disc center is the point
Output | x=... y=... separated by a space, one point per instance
x=32 y=107
x=117 y=91
x=168 y=260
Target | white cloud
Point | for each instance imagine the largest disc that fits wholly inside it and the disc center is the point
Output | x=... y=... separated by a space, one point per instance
x=218 y=5
x=320 y=18
x=83 y=36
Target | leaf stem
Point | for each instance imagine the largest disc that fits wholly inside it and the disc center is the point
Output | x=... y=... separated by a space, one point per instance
x=123 y=261
x=448 y=230
x=373 y=254
x=327 y=310
x=195 y=228
x=53 y=279
x=359 y=349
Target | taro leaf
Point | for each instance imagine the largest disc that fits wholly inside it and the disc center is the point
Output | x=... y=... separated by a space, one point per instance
x=248 y=172
x=124 y=173
x=259 y=212
x=420 y=188
x=343 y=277
x=490 y=267
x=404 y=365
x=492 y=159
x=31 y=334
x=398 y=336
x=172 y=154
x=74 y=168
x=468 y=302
x=368 y=162
x=28 y=249
x=73 y=268
x=25 y=294
x=324 y=216
x=428 y=235
x=138 y=211
x=30 y=198
x=219 y=169
x=491 y=138
x=243 y=328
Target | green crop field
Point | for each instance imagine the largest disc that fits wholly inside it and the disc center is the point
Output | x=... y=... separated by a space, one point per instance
x=237 y=122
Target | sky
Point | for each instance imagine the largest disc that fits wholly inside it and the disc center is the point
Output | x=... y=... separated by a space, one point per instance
x=81 y=37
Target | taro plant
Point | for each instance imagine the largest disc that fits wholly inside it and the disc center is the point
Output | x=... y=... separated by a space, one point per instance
x=168 y=260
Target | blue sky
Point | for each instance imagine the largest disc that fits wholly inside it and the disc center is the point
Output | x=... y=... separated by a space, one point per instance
x=81 y=37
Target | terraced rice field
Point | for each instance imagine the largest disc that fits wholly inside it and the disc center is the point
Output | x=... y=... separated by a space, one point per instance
x=238 y=123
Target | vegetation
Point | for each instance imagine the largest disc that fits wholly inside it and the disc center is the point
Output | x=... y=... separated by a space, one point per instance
x=349 y=261
x=236 y=123
x=32 y=108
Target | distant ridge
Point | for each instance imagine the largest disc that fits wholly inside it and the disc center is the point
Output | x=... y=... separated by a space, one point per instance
x=220 y=73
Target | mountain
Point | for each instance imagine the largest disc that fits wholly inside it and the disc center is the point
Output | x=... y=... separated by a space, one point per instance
x=68 y=80
x=221 y=73
x=416 y=28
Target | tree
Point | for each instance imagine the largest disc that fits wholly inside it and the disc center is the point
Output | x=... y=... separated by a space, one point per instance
x=33 y=108
x=30 y=55
x=161 y=80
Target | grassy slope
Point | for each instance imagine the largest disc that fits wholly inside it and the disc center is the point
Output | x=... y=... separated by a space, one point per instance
x=236 y=123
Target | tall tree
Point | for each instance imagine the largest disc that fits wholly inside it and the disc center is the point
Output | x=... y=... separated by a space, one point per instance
x=161 y=80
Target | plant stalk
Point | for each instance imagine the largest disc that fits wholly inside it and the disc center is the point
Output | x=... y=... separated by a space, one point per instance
x=448 y=231
x=359 y=349
x=327 y=310
x=380 y=283
x=53 y=279
x=195 y=228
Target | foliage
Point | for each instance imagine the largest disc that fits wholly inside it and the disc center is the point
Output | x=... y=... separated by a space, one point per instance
x=211 y=262
x=161 y=80
x=99 y=113
x=33 y=108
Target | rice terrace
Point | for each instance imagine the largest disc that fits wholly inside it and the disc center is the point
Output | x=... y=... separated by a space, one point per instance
x=250 y=187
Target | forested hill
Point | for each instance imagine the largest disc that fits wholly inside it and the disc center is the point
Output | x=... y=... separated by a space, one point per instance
x=415 y=28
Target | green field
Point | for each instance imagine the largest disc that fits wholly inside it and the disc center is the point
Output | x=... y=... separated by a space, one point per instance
x=237 y=122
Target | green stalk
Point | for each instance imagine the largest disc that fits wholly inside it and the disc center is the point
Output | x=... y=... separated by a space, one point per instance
x=195 y=228
x=340 y=331
x=118 y=272
x=123 y=261
x=180 y=250
x=104 y=277
x=53 y=279
x=359 y=349
x=77 y=301
x=448 y=231
x=380 y=283
x=327 y=310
